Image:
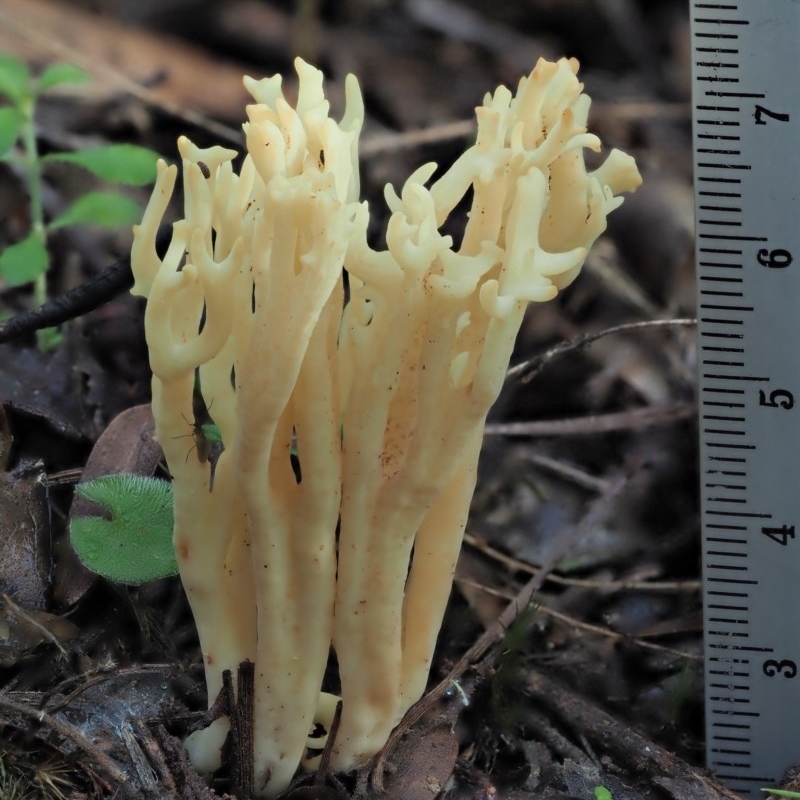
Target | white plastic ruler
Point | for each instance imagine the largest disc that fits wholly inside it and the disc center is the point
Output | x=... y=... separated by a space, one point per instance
x=746 y=114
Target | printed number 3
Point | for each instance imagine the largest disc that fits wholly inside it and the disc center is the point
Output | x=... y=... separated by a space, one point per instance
x=784 y=667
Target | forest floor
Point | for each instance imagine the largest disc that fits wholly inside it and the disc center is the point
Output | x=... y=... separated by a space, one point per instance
x=573 y=640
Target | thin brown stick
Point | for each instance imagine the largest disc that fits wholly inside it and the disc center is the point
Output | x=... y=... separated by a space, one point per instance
x=157 y=758
x=460 y=129
x=88 y=681
x=241 y=716
x=325 y=760
x=244 y=712
x=633 y=419
x=574 y=622
x=614 y=635
x=611 y=735
x=23 y=615
x=381 y=143
x=529 y=369
x=568 y=472
x=587 y=583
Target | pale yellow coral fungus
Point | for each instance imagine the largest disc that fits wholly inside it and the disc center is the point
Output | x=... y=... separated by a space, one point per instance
x=382 y=399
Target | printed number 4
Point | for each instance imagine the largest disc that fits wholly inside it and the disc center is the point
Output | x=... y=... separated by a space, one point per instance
x=780 y=535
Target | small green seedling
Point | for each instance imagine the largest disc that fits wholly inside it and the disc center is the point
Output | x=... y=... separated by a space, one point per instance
x=27 y=260
x=783 y=793
x=601 y=793
x=135 y=545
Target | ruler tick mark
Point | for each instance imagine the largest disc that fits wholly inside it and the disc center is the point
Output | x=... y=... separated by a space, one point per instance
x=713 y=579
x=722 y=21
x=731 y=237
x=749 y=95
x=733 y=687
x=735 y=377
x=727 y=527
x=717 y=179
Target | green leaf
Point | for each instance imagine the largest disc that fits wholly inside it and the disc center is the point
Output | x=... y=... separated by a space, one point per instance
x=10 y=122
x=135 y=545
x=601 y=793
x=48 y=339
x=107 y=209
x=24 y=261
x=15 y=78
x=119 y=163
x=57 y=74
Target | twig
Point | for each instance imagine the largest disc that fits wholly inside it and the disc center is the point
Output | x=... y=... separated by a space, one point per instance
x=88 y=681
x=242 y=729
x=21 y=614
x=327 y=752
x=586 y=583
x=609 y=634
x=568 y=472
x=633 y=419
x=175 y=756
x=611 y=735
x=144 y=770
x=381 y=143
x=156 y=755
x=574 y=622
x=532 y=367
x=80 y=300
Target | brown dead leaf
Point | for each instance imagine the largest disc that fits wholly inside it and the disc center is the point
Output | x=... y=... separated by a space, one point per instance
x=123 y=56
x=423 y=764
x=127 y=445
x=25 y=562
x=22 y=631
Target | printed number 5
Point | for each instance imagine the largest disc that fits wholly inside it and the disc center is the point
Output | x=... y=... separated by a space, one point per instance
x=777 y=397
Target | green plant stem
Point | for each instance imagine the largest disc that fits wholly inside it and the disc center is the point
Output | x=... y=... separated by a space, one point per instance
x=33 y=177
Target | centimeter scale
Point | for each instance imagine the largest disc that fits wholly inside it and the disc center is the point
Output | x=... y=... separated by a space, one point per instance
x=746 y=114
